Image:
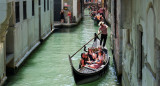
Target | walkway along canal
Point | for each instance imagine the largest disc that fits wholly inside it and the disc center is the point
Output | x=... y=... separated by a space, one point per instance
x=48 y=65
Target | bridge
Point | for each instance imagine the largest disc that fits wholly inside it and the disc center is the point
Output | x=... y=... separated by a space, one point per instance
x=89 y=4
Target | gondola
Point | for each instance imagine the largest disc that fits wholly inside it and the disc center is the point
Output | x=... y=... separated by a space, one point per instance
x=87 y=74
x=96 y=22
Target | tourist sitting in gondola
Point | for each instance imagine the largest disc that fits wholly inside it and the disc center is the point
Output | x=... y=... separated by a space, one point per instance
x=93 y=14
x=99 y=61
x=83 y=61
x=90 y=53
x=98 y=18
x=94 y=58
x=91 y=56
x=101 y=57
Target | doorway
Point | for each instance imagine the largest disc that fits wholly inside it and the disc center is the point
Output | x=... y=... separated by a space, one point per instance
x=57 y=9
x=9 y=45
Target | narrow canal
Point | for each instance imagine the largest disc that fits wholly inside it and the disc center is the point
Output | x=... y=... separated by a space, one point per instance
x=48 y=65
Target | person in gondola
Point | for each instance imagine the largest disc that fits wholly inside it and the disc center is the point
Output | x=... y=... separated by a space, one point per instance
x=83 y=60
x=103 y=30
x=91 y=56
x=90 y=53
x=101 y=11
x=101 y=57
x=98 y=17
x=99 y=60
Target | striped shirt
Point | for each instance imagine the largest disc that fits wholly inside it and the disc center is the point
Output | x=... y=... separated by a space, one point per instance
x=103 y=29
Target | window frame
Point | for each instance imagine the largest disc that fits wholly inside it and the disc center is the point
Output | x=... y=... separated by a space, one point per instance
x=24 y=10
x=44 y=5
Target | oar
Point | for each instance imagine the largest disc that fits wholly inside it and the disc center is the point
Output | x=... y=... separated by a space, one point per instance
x=84 y=45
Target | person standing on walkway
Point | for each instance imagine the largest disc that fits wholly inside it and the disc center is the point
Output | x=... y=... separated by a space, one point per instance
x=62 y=16
x=69 y=16
x=103 y=30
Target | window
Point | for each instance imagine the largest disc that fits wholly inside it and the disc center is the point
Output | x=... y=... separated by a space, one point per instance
x=44 y=5
x=47 y=4
x=32 y=7
x=17 y=12
x=24 y=10
x=39 y=2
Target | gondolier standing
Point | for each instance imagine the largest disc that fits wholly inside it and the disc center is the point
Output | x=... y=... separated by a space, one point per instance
x=103 y=30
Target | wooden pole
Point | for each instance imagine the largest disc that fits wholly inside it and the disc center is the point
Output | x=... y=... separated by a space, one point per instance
x=84 y=45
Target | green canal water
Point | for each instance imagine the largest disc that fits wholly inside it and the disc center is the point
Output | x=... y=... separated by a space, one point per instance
x=48 y=65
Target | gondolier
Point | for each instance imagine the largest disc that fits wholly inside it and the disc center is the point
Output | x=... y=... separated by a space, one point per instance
x=103 y=30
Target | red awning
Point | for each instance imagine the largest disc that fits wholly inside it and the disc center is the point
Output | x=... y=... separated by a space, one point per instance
x=66 y=5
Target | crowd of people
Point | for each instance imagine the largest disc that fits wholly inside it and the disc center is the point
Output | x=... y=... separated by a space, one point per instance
x=93 y=58
x=97 y=13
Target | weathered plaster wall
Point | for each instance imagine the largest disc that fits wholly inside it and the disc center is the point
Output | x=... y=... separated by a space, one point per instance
x=2 y=62
x=79 y=10
x=112 y=23
x=46 y=23
x=140 y=17
x=5 y=11
x=21 y=38
x=75 y=8
x=26 y=33
x=116 y=37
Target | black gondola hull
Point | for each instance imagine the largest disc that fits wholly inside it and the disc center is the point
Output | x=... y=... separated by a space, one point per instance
x=82 y=78
x=87 y=74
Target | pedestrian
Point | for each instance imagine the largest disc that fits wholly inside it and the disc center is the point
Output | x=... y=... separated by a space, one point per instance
x=103 y=30
x=69 y=16
x=62 y=16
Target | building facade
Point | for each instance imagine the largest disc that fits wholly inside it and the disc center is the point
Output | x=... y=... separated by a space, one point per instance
x=116 y=35
x=23 y=25
x=135 y=25
x=6 y=11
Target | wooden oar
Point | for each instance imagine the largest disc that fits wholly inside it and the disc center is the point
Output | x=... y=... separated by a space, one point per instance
x=84 y=45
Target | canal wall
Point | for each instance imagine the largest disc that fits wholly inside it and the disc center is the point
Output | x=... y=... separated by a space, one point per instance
x=29 y=31
x=116 y=33
x=22 y=25
x=5 y=11
x=2 y=65
x=137 y=23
